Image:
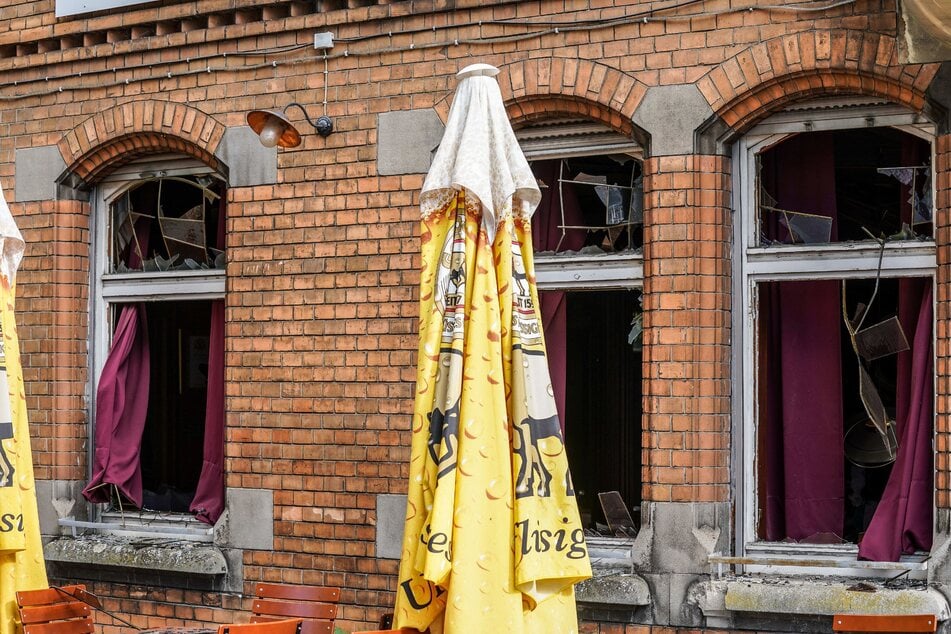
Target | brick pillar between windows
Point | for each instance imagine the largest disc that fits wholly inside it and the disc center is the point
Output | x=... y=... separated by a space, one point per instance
x=53 y=322
x=942 y=217
x=687 y=238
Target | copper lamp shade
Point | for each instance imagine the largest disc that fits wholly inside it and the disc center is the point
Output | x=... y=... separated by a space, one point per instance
x=273 y=128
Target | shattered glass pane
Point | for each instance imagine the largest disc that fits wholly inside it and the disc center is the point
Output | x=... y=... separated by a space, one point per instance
x=864 y=446
x=615 y=511
x=881 y=340
x=185 y=236
x=904 y=175
x=806 y=228
x=873 y=406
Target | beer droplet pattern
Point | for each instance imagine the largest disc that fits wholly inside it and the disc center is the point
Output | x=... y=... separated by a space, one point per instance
x=461 y=548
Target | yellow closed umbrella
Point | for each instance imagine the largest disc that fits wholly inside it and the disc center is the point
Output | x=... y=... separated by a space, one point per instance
x=493 y=539
x=21 y=552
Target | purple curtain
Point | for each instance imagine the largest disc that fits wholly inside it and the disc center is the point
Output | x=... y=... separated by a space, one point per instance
x=209 y=500
x=802 y=429
x=902 y=522
x=546 y=235
x=122 y=398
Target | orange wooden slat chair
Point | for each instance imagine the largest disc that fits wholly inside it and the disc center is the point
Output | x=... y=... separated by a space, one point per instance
x=287 y=626
x=54 y=611
x=316 y=605
x=884 y=623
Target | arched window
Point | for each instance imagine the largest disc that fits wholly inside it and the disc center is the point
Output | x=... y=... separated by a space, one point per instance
x=587 y=238
x=157 y=331
x=833 y=306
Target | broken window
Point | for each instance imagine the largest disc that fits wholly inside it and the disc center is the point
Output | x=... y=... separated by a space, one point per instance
x=159 y=323
x=838 y=265
x=587 y=237
x=594 y=205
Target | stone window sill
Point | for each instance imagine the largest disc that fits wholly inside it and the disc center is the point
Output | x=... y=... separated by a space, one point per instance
x=151 y=554
x=732 y=601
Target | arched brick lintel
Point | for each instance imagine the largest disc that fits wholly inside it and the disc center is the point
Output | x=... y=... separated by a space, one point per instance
x=748 y=109
x=788 y=68
x=132 y=130
x=538 y=88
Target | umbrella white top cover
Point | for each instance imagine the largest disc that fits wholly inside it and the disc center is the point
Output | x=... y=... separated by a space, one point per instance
x=479 y=153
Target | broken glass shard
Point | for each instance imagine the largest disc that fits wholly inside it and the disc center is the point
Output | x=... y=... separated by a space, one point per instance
x=806 y=228
x=881 y=340
x=872 y=403
x=185 y=236
x=904 y=175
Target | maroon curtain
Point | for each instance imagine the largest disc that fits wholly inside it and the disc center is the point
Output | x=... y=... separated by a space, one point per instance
x=902 y=522
x=546 y=235
x=209 y=500
x=122 y=397
x=802 y=429
x=122 y=400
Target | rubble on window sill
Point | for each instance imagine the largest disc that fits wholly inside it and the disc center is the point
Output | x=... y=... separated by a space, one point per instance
x=136 y=552
x=726 y=601
x=589 y=250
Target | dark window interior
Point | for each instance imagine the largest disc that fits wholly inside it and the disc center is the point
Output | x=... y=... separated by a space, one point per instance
x=603 y=401
x=174 y=428
x=877 y=172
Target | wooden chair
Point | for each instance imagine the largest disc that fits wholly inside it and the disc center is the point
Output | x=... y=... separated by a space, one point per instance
x=288 y=626
x=54 y=611
x=884 y=623
x=316 y=605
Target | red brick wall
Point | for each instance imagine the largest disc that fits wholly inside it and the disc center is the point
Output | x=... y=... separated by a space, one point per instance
x=687 y=236
x=321 y=304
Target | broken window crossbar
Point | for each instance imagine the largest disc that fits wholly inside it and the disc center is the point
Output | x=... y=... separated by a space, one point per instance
x=598 y=227
x=568 y=180
x=719 y=561
x=143 y=530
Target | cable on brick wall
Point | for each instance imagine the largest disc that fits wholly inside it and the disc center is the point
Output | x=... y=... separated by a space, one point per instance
x=643 y=17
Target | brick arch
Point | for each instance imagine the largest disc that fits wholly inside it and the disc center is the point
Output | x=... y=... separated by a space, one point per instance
x=533 y=88
x=132 y=130
x=769 y=75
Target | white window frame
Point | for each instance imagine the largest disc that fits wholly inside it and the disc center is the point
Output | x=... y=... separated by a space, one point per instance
x=754 y=264
x=110 y=289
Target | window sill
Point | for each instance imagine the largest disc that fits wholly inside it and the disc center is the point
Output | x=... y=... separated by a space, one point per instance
x=733 y=601
x=152 y=554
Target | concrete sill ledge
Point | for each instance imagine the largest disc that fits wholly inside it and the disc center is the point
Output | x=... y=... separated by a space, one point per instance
x=627 y=590
x=163 y=555
x=722 y=600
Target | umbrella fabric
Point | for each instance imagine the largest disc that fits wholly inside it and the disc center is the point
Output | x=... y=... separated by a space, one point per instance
x=493 y=539
x=21 y=552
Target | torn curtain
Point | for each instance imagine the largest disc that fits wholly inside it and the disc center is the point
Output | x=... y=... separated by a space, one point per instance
x=902 y=522
x=122 y=398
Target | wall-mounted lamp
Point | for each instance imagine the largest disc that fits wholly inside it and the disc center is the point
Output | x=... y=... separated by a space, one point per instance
x=273 y=128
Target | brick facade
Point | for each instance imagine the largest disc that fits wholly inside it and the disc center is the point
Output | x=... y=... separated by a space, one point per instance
x=321 y=300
